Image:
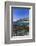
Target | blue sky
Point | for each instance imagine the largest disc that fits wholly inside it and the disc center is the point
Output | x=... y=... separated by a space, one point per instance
x=20 y=13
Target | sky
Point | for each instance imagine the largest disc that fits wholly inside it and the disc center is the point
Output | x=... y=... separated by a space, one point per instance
x=19 y=13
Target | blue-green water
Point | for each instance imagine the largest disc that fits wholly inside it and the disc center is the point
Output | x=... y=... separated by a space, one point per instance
x=22 y=23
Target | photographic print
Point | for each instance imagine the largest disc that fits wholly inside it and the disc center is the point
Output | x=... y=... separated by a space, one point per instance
x=20 y=21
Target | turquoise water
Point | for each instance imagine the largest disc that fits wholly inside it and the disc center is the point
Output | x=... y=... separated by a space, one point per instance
x=22 y=23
